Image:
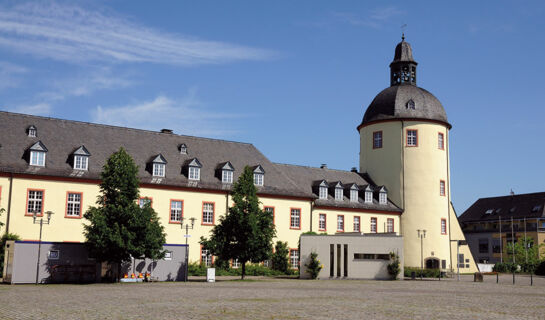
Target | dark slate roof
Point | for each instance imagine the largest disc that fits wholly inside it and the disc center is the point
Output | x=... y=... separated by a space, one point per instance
x=62 y=137
x=529 y=205
x=403 y=52
x=305 y=177
x=391 y=103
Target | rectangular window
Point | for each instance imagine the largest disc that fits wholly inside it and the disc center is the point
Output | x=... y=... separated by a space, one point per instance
x=322 y=222
x=340 y=223
x=357 y=225
x=461 y=260
x=412 y=138
x=227 y=176
x=208 y=213
x=382 y=198
x=294 y=258
x=73 y=205
x=35 y=202
x=323 y=192
x=37 y=158
x=81 y=162
x=258 y=179
x=377 y=139
x=368 y=197
x=271 y=211
x=353 y=195
x=142 y=202
x=371 y=256
x=194 y=173
x=159 y=169
x=390 y=225
x=483 y=245
x=373 y=225
x=443 y=226
x=235 y=264
x=206 y=258
x=295 y=218
x=441 y=141
x=442 y=189
x=338 y=194
x=496 y=248
x=176 y=210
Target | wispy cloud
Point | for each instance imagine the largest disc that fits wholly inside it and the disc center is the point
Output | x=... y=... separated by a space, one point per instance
x=39 y=109
x=375 y=19
x=184 y=116
x=10 y=74
x=76 y=34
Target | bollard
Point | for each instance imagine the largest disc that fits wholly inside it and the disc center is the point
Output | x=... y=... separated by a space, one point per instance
x=513 y=278
x=531 y=279
x=497 y=277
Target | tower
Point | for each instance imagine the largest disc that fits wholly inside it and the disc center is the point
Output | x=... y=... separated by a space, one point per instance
x=404 y=145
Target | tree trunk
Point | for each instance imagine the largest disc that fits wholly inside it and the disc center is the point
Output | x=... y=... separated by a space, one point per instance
x=118 y=272
x=243 y=269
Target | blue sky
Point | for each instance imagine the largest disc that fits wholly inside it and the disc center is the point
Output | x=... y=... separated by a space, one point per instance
x=292 y=77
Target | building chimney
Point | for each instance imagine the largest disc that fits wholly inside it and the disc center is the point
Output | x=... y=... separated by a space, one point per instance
x=354 y=169
x=323 y=166
x=169 y=131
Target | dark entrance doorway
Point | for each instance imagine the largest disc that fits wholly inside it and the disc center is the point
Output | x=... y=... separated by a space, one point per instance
x=432 y=263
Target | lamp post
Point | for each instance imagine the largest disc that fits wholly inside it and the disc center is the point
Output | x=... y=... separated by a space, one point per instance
x=41 y=222
x=421 y=235
x=187 y=227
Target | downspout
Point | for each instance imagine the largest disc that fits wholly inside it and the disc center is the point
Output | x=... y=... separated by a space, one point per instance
x=311 y=213
x=449 y=203
x=402 y=173
x=9 y=201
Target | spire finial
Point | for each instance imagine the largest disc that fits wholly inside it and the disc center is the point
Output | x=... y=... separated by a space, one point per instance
x=403 y=36
x=403 y=32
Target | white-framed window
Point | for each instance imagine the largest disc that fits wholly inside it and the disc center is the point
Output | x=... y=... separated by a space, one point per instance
x=176 y=210
x=357 y=225
x=183 y=149
x=227 y=176
x=73 y=205
x=441 y=141
x=32 y=132
x=37 y=158
x=194 y=173
x=382 y=198
x=390 y=225
x=323 y=192
x=374 y=225
x=368 y=196
x=168 y=255
x=53 y=255
x=412 y=138
x=338 y=194
x=206 y=257
x=81 y=162
x=443 y=226
x=208 y=213
x=258 y=179
x=442 y=189
x=294 y=258
x=340 y=223
x=295 y=218
x=235 y=264
x=353 y=195
x=159 y=169
x=377 y=139
x=143 y=201
x=35 y=199
x=322 y=222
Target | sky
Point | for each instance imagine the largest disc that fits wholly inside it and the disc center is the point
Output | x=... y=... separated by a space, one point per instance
x=294 y=78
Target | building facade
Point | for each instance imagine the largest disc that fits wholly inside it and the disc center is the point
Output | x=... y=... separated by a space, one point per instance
x=402 y=186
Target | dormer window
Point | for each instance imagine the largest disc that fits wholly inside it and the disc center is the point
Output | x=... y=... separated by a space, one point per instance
x=194 y=169
x=382 y=196
x=259 y=175
x=159 y=164
x=368 y=194
x=37 y=154
x=226 y=170
x=339 y=192
x=354 y=193
x=183 y=148
x=81 y=158
x=322 y=189
x=32 y=132
x=323 y=192
x=489 y=211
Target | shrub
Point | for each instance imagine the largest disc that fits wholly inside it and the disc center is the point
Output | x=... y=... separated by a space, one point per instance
x=393 y=266
x=5 y=237
x=314 y=266
x=505 y=267
x=280 y=257
x=426 y=273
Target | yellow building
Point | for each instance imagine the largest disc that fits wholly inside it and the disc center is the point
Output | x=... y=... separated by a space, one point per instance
x=54 y=165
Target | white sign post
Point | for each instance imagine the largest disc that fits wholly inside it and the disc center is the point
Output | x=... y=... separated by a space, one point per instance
x=211 y=275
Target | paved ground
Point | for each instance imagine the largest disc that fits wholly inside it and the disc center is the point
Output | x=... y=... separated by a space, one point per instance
x=279 y=299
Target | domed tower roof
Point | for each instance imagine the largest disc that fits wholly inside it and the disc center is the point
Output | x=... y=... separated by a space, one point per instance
x=403 y=99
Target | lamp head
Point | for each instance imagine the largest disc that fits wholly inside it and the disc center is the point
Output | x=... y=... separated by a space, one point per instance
x=49 y=214
x=192 y=219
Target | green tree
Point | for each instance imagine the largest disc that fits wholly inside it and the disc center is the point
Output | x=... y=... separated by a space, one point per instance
x=118 y=228
x=280 y=257
x=527 y=253
x=245 y=232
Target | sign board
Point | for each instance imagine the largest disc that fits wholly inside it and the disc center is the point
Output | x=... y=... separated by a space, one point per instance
x=211 y=275
x=187 y=236
x=462 y=242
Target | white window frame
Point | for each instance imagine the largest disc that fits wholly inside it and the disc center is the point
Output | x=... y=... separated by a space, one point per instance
x=176 y=210
x=441 y=141
x=353 y=195
x=373 y=225
x=443 y=226
x=159 y=169
x=227 y=176
x=323 y=193
x=340 y=223
x=235 y=264
x=377 y=139
x=294 y=258
x=295 y=218
x=35 y=201
x=442 y=188
x=73 y=204
x=194 y=173
x=259 y=179
x=322 y=221
x=412 y=138
x=32 y=132
x=382 y=198
x=37 y=158
x=81 y=162
x=208 y=213
x=206 y=257
x=390 y=225
x=142 y=202
x=357 y=224
x=339 y=195
x=368 y=196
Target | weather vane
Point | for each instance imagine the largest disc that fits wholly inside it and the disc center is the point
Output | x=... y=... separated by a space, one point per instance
x=403 y=31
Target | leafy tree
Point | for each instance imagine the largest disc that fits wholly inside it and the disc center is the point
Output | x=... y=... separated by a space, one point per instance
x=118 y=227
x=527 y=253
x=280 y=257
x=245 y=232
x=314 y=265
x=1 y=211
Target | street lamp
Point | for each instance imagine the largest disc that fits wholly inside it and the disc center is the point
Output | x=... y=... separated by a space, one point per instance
x=421 y=235
x=187 y=227
x=41 y=222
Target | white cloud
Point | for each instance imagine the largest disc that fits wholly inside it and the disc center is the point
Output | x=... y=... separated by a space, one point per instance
x=10 y=74
x=76 y=34
x=39 y=109
x=375 y=19
x=184 y=116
